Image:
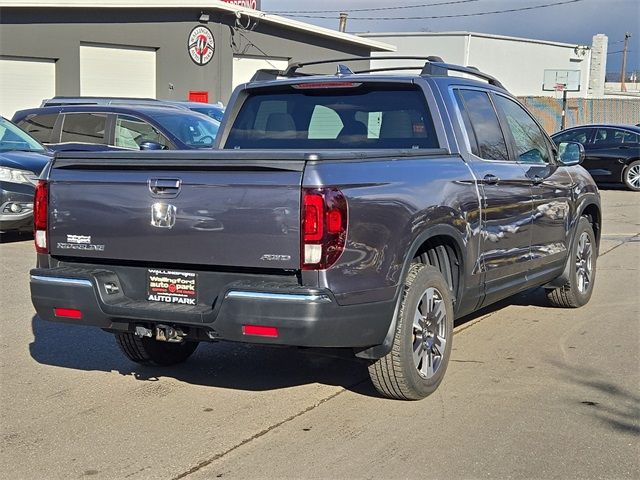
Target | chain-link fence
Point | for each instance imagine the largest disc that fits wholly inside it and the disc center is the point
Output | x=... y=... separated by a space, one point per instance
x=580 y=111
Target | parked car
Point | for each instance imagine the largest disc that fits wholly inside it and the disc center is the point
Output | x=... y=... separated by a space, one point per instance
x=213 y=110
x=22 y=159
x=139 y=127
x=363 y=211
x=612 y=152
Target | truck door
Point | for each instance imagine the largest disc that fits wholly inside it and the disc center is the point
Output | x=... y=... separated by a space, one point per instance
x=506 y=192
x=551 y=188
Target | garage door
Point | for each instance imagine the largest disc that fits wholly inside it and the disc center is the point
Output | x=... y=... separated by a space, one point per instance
x=24 y=83
x=245 y=67
x=108 y=71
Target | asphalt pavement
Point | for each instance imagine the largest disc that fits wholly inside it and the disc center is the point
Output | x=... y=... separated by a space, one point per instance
x=531 y=392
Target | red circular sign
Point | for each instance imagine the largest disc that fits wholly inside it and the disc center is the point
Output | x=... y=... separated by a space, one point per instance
x=201 y=45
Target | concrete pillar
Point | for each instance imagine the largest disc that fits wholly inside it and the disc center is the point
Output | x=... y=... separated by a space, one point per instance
x=598 y=68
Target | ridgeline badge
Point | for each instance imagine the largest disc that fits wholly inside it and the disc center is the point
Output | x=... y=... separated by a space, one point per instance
x=201 y=45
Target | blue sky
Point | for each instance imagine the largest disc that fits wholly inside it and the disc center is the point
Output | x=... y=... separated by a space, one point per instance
x=570 y=23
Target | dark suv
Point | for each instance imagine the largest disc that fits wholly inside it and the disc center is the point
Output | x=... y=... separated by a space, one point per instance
x=612 y=152
x=139 y=127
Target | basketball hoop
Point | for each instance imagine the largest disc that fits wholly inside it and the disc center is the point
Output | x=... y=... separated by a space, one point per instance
x=559 y=87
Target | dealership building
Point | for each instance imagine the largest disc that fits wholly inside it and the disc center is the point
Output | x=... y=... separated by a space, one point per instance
x=166 y=49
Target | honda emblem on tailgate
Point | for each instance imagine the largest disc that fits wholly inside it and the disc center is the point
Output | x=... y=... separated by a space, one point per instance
x=163 y=215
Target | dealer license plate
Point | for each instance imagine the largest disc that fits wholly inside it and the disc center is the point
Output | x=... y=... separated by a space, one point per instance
x=170 y=286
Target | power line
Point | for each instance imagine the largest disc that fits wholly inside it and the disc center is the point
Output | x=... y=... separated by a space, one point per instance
x=432 y=17
x=374 y=9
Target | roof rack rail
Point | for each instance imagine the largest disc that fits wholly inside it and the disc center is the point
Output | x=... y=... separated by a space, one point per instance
x=434 y=66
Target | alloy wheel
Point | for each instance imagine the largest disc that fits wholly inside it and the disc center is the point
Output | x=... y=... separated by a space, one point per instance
x=584 y=255
x=429 y=333
x=633 y=176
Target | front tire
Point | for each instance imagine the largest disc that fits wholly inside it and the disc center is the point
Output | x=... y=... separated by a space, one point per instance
x=582 y=270
x=418 y=359
x=631 y=176
x=150 y=351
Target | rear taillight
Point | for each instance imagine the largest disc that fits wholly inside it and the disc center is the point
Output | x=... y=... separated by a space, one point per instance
x=324 y=227
x=40 y=214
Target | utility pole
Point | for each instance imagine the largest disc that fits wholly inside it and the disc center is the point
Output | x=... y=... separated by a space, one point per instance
x=343 y=21
x=623 y=70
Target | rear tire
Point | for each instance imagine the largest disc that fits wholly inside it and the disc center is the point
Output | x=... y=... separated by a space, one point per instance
x=582 y=270
x=418 y=359
x=147 y=350
x=631 y=176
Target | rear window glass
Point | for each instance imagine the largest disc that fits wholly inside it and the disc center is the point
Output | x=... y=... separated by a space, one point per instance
x=375 y=117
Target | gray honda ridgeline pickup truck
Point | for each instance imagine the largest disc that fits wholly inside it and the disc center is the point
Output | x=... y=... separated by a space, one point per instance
x=361 y=210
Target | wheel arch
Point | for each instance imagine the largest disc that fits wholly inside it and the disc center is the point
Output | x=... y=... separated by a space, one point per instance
x=593 y=213
x=628 y=162
x=453 y=242
x=591 y=210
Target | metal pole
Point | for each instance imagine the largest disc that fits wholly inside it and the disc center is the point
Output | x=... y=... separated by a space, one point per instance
x=623 y=70
x=343 y=21
x=564 y=108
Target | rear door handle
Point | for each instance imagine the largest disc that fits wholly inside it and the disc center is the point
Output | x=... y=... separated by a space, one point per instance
x=537 y=179
x=491 y=179
x=165 y=187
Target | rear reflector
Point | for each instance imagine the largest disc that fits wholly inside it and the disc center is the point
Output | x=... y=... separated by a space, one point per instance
x=260 y=331
x=67 y=312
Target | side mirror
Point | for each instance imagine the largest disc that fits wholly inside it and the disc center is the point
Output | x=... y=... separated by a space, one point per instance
x=151 y=146
x=570 y=153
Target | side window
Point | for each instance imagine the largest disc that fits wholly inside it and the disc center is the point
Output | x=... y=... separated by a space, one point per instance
x=482 y=125
x=531 y=143
x=84 y=128
x=580 y=135
x=325 y=123
x=40 y=127
x=131 y=132
x=630 y=137
x=608 y=137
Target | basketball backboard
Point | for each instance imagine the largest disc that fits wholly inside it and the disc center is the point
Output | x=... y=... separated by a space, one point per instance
x=569 y=78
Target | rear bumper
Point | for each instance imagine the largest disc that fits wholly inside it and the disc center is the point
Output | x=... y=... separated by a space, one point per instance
x=302 y=316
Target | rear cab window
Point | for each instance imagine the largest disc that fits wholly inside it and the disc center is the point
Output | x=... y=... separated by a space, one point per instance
x=367 y=115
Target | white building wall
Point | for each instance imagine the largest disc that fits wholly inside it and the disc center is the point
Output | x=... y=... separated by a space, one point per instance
x=450 y=47
x=518 y=63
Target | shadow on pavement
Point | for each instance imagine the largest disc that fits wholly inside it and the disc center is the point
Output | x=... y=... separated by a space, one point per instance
x=12 y=237
x=534 y=297
x=615 y=406
x=223 y=364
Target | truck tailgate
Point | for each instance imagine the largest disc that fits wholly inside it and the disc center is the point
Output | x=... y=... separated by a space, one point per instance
x=205 y=208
